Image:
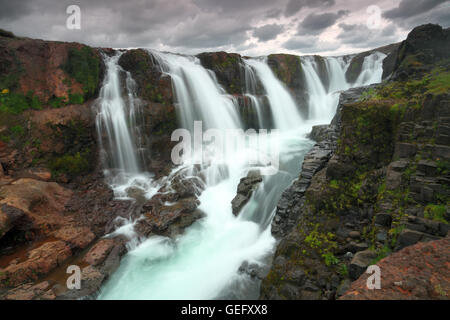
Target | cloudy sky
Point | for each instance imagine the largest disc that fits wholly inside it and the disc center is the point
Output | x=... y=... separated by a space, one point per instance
x=250 y=27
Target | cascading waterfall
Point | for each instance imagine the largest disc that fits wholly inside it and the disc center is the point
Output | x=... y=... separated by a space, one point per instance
x=284 y=110
x=119 y=140
x=204 y=262
x=198 y=96
x=372 y=70
x=323 y=101
x=254 y=97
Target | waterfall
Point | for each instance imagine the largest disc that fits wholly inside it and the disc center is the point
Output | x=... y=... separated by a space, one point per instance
x=372 y=70
x=205 y=261
x=198 y=95
x=284 y=110
x=119 y=133
x=255 y=98
x=322 y=102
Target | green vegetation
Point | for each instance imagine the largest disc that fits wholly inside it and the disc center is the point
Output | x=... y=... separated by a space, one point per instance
x=436 y=212
x=15 y=103
x=84 y=66
x=229 y=61
x=75 y=98
x=71 y=165
x=286 y=67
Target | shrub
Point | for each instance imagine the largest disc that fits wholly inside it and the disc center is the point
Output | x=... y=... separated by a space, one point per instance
x=70 y=164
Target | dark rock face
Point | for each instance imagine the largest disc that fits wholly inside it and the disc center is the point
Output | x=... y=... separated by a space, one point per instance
x=288 y=69
x=228 y=69
x=388 y=63
x=424 y=46
x=360 y=262
x=245 y=189
x=159 y=118
x=377 y=186
x=417 y=272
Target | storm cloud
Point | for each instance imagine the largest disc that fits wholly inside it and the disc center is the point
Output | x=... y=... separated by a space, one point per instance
x=316 y=23
x=251 y=27
x=268 y=32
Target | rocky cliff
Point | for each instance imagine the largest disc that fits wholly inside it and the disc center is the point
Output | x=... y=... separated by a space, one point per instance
x=376 y=182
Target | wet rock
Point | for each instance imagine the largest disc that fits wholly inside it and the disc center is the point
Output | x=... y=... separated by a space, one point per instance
x=76 y=237
x=98 y=253
x=168 y=220
x=245 y=189
x=322 y=132
x=252 y=269
x=39 y=261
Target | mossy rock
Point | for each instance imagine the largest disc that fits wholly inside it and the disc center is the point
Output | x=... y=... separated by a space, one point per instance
x=83 y=65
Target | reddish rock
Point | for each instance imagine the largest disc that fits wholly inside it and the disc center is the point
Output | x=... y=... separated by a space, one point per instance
x=76 y=237
x=421 y=271
x=42 y=202
x=39 y=262
x=41 y=173
x=40 y=291
x=98 y=253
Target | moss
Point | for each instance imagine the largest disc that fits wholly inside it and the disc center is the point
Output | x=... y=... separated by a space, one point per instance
x=75 y=98
x=330 y=259
x=16 y=103
x=84 y=66
x=381 y=254
x=436 y=212
x=71 y=165
x=57 y=102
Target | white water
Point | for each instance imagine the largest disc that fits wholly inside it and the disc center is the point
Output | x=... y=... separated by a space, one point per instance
x=284 y=110
x=323 y=101
x=372 y=70
x=119 y=140
x=203 y=263
x=199 y=97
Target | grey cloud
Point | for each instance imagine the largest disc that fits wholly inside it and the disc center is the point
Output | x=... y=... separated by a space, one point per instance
x=298 y=43
x=360 y=36
x=316 y=23
x=411 y=8
x=438 y=15
x=268 y=32
x=309 y=45
x=295 y=6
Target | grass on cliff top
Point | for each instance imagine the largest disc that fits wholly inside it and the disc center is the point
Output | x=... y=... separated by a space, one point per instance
x=435 y=82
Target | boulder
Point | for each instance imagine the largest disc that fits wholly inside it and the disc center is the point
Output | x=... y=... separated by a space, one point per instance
x=417 y=272
x=40 y=291
x=38 y=262
x=8 y=217
x=245 y=190
x=409 y=237
x=383 y=219
x=98 y=253
x=360 y=262
x=76 y=237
